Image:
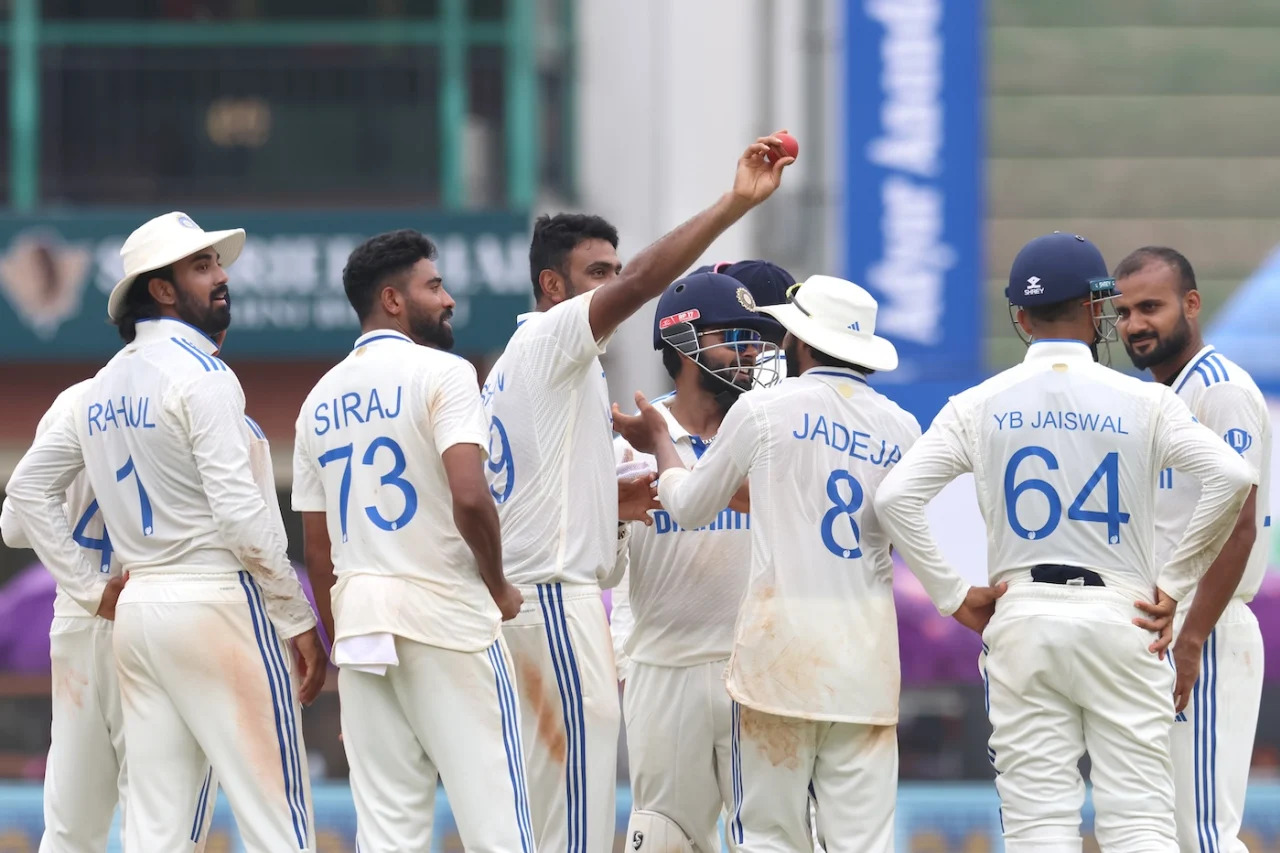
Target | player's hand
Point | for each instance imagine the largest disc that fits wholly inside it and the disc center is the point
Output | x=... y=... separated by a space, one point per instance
x=312 y=665
x=642 y=430
x=110 y=595
x=757 y=178
x=509 y=601
x=979 y=606
x=1186 y=664
x=1160 y=621
x=637 y=496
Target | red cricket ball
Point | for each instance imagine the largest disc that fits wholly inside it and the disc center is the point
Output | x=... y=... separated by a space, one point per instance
x=789 y=145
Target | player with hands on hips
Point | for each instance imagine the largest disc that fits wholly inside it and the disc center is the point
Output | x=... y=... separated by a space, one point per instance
x=199 y=640
x=1066 y=454
x=552 y=473
x=389 y=478
x=814 y=671
x=1218 y=648
x=674 y=609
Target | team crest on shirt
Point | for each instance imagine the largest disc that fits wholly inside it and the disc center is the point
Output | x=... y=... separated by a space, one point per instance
x=745 y=299
x=43 y=278
x=1238 y=440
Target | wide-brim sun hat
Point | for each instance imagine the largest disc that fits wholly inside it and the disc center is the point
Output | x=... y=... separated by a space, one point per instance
x=166 y=240
x=836 y=317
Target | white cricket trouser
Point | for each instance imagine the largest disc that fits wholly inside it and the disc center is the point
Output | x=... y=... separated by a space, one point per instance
x=853 y=770
x=568 y=686
x=437 y=712
x=1213 y=736
x=203 y=673
x=679 y=741
x=1066 y=672
x=86 y=772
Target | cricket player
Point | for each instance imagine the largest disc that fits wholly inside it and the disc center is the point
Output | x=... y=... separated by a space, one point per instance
x=814 y=670
x=389 y=478
x=85 y=772
x=551 y=472
x=205 y=674
x=1066 y=454
x=673 y=611
x=1216 y=634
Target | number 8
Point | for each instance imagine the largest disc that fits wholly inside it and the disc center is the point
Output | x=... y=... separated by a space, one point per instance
x=842 y=508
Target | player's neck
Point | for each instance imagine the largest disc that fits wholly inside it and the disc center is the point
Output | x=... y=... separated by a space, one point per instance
x=383 y=323
x=696 y=410
x=1168 y=370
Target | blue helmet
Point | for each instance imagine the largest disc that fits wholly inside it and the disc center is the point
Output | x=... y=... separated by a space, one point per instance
x=1059 y=267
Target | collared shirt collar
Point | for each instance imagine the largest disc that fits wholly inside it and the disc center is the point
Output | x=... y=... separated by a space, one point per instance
x=521 y=319
x=838 y=372
x=663 y=405
x=158 y=328
x=379 y=335
x=1190 y=366
x=1059 y=349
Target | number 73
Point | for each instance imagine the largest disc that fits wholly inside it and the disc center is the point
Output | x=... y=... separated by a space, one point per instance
x=394 y=478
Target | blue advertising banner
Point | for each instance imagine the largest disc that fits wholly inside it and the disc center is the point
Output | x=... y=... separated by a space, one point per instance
x=913 y=178
x=286 y=288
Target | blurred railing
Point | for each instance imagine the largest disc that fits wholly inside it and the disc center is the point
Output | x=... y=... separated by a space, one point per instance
x=454 y=107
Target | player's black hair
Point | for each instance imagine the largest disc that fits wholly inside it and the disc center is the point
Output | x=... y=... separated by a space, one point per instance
x=378 y=259
x=554 y=237
x=1139 y=259
x=1054 y=311
x=139 y=304
x=831 y=361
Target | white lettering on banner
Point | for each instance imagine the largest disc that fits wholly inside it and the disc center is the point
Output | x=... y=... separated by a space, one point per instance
x=910 y=276
x=294 y=281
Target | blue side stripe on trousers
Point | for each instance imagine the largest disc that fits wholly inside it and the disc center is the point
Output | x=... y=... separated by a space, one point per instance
x=260 y=632
x=577 y=842
x=512 y=746
x=202 y=803
x=290 y=718
x=1205 y=753
x=736 y=750
x=581 y=721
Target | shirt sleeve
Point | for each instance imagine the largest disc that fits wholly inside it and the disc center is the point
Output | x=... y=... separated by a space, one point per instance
x=694 y=497
x=1238 y=417
x=308 y=484
x=454 y=408
x=936 y=459
x=562 y=344
x=213 y=410
x=1225 y=479
x=37 y=492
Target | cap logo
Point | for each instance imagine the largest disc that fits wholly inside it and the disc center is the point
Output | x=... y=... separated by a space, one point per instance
x=745 y=299
x=1033 y=287
x=683 y=317
x=1097 y=285
x=187 y=222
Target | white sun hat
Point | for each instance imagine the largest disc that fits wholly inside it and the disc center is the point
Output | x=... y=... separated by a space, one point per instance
x=166 y=240
x=836 y=317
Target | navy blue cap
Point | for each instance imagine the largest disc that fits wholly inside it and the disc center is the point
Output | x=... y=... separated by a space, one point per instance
x=1055 y=268
x=767 y=281
x=706 y=299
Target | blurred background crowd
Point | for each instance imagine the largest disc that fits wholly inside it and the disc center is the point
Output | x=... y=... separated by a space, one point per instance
x=937 y=136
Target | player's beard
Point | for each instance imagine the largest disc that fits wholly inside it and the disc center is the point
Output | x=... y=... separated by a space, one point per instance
x=205 y=314
x=792 y=350
x=432 y=332
x=1166 y=347
x=725 y=392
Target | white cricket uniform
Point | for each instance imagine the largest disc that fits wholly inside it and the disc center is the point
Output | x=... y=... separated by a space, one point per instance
x=814 y=671
x=425 y=679
x=551 y=472
x=86 y=772
x=672 y=622
x=162 y=435
x=1065 y=455
x=1213 y=740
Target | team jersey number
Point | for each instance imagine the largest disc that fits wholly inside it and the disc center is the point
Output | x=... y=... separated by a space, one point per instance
x=102 y=546
x=846 y=508
x=501 y=465
x=1109 y=470
x=394 y=478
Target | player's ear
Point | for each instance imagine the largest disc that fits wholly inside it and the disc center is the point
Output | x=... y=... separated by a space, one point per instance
x=392 y=300
x=163 y=291
x=1191 y=304
x=553 y=285
x=1024 y=321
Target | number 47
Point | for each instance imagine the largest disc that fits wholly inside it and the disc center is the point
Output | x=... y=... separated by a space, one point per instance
x=1108 y=470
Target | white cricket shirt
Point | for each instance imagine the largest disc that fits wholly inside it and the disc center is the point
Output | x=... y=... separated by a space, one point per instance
x=817 y=635
x=74 y=592
x=1065 y=454
x=678 y=601
x=1224 y=398
x=162 y=434
x=550 y=465
x=368 y=453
